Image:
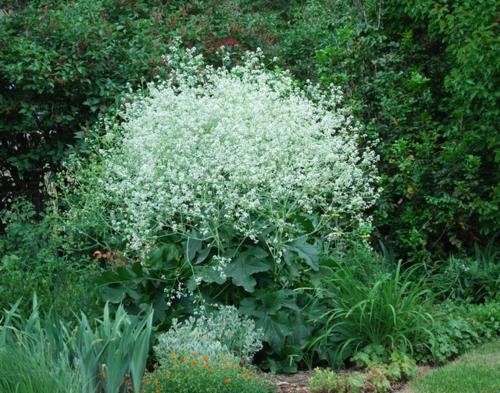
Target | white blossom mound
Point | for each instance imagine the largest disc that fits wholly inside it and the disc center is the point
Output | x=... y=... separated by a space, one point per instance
x=243 y=149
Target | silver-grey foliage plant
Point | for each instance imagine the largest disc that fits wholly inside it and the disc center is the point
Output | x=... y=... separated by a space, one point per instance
x=222 y=331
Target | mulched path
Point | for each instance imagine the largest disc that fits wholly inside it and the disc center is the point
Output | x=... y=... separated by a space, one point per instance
x=292 y=383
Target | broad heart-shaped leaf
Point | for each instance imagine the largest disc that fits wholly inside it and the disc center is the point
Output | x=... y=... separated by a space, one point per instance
x=276 y=328
x=246 y=264
x=306 y=251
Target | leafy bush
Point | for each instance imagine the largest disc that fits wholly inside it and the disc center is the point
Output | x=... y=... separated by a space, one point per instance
x=205 y=374
x=475 y=279
x=387 y=310
x=31 y=261
x=430 y=99
x=214 y=333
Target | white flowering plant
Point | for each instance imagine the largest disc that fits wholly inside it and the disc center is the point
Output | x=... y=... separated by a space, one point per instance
x=228 y=182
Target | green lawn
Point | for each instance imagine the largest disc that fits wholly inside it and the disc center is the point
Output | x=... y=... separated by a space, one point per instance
x=477 y=371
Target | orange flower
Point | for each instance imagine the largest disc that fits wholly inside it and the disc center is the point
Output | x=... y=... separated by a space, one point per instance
x=193 y=363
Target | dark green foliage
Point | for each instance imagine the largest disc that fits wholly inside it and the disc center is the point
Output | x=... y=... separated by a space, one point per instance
x=62 y=63
x=475 y=279
x=282 y=312
x=31 y=261
x=422 y=77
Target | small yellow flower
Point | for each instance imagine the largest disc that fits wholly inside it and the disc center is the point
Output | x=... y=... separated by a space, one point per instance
x=227 y=381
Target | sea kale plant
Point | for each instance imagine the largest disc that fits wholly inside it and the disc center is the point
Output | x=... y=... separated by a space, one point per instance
x=230 y=182
x=240 y=150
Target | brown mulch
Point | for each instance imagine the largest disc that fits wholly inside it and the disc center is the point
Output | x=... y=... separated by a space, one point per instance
x=292 y=383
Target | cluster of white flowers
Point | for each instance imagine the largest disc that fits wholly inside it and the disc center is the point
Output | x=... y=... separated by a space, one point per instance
x=241 y=147
x=223 y=331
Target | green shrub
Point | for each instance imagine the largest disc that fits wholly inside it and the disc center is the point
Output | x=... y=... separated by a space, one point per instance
x=427 y=96
x=32 y=261
x=474 y=279
x=62 y=63
x=196 y=373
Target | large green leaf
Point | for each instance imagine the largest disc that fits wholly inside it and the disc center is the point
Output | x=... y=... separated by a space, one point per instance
x=306 y=251
x=248 y=263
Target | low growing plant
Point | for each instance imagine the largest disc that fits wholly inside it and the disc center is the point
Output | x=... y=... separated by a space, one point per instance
x=457 y=328
x=222 y=331
x=377 y=377
x=327 y=381
x=195 y=373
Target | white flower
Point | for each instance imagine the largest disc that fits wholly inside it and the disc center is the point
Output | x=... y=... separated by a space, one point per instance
x=212 y=147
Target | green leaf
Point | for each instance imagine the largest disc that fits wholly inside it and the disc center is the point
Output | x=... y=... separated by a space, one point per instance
x=242 y=269
x=306 y=251
x=193 y=246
